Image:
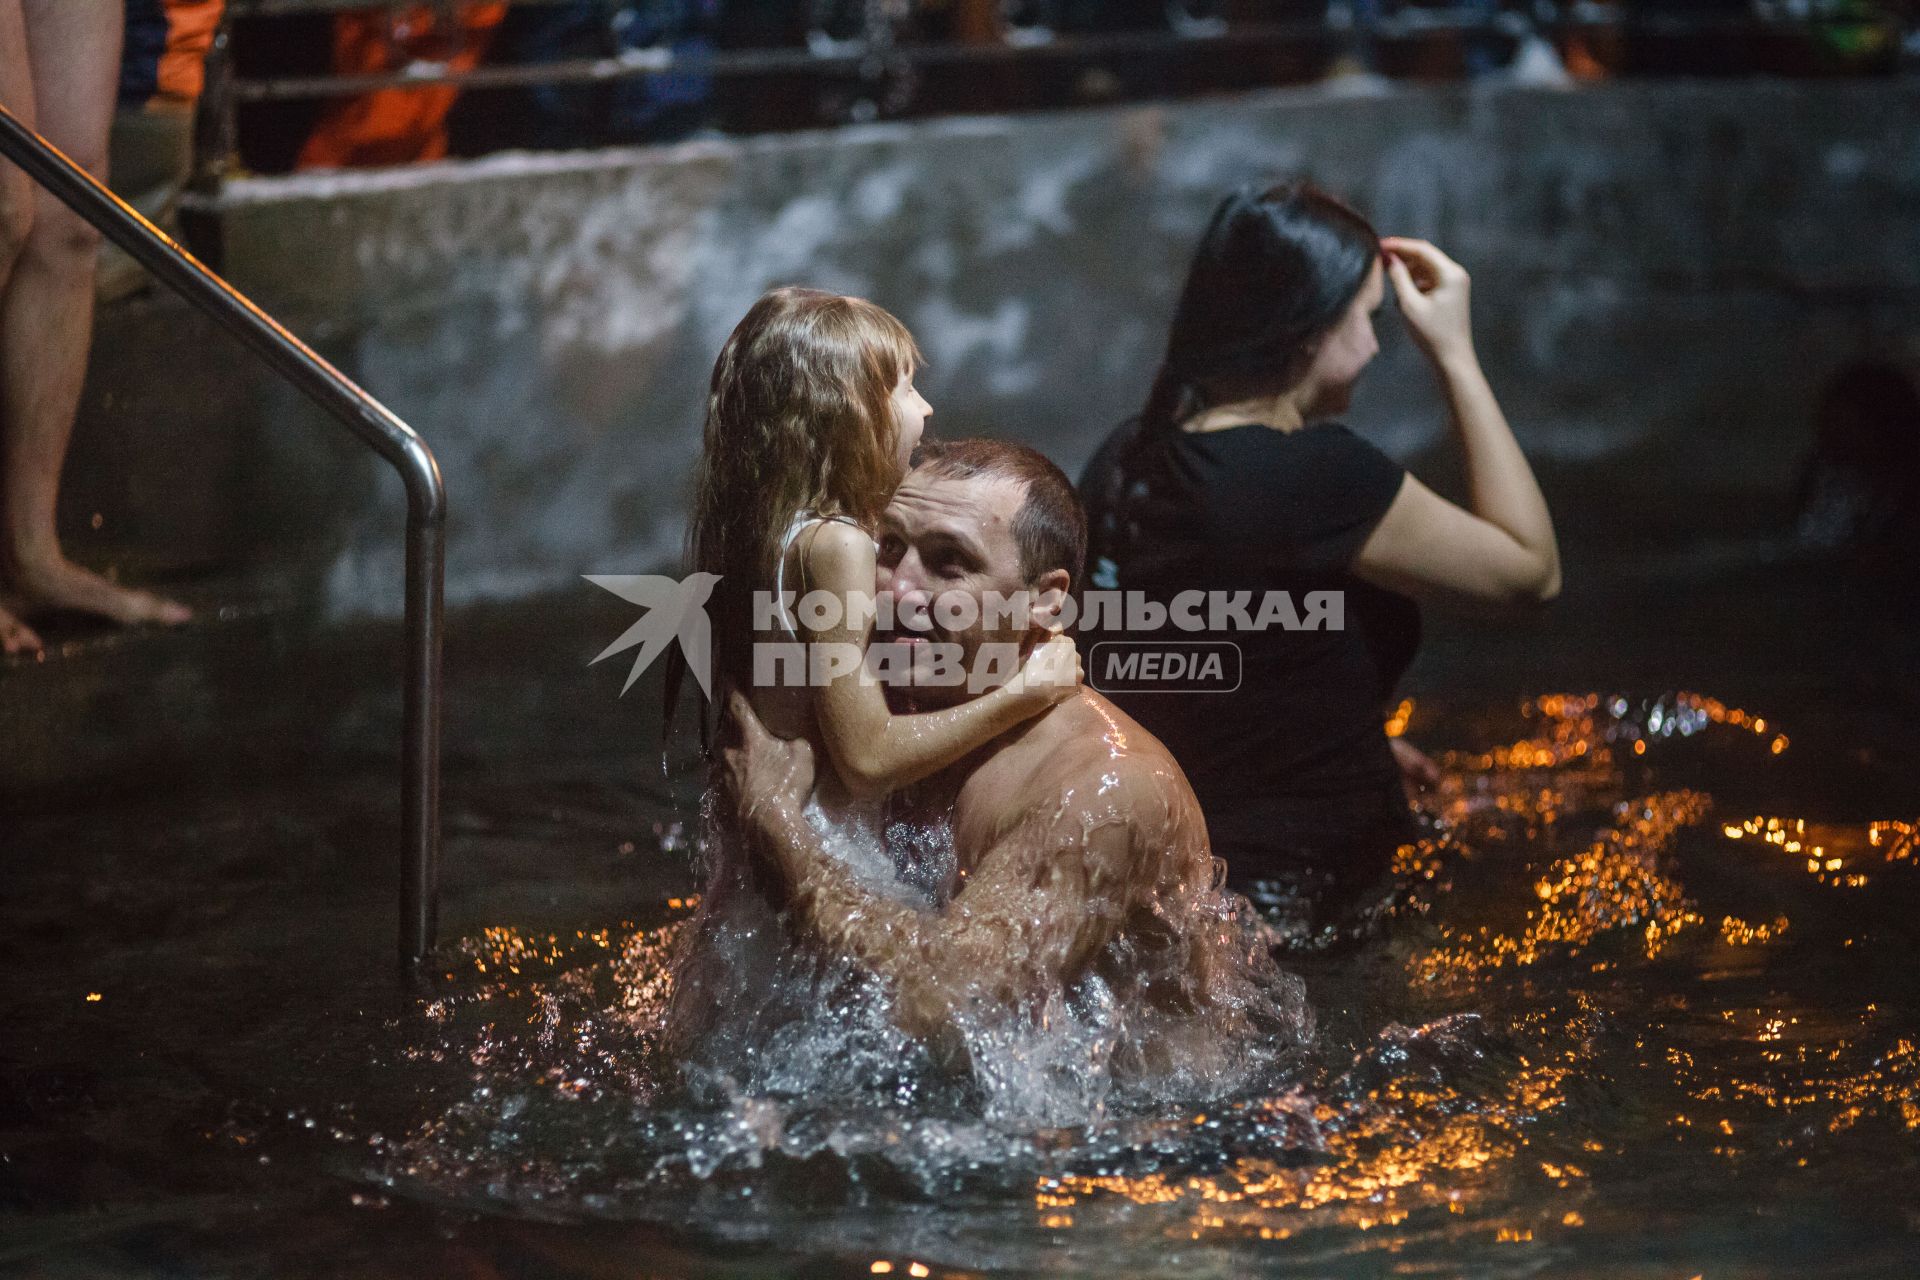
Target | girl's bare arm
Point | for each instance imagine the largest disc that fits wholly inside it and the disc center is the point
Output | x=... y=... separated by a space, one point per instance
x=874 y=750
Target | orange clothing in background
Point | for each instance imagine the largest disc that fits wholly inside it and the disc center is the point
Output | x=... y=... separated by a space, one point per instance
x=397 y=126
x=190 y=28
x=163 y=62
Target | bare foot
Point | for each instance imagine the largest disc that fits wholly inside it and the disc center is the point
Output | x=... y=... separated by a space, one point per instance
x=16 y=636
x=65 y=585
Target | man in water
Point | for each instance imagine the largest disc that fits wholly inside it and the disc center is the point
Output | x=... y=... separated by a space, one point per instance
x=1079 y=849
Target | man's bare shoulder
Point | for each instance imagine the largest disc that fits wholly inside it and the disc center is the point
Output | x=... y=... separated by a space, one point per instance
x=1083 y=765
x=1087 y=748
x=1090 y=721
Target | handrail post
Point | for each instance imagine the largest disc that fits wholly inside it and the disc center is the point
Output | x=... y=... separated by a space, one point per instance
x=420 y=731
x=215 y=123
x=391 y=438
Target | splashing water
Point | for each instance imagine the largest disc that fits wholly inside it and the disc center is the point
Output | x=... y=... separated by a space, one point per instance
x=1580 y=990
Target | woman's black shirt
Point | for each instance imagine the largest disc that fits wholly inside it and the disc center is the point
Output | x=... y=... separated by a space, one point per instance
x=1296 y=756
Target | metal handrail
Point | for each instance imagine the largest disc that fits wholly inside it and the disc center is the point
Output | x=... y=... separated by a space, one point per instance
x=857 y=54
x=832 y=57
x=391 y=438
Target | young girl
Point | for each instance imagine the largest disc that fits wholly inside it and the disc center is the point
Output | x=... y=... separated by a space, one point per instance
x=811 y=420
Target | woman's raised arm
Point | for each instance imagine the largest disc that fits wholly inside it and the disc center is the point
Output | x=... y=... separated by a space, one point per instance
x=1502 y=550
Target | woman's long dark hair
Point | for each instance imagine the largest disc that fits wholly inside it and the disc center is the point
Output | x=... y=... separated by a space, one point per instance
x=1276 y=269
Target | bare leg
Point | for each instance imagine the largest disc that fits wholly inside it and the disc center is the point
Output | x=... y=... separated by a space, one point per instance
x=46 y=315
x=16 y=220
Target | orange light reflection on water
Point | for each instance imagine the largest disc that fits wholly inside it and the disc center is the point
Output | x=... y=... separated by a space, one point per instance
x=1407 y=1147
x=1832 y=853
x=1615 y=883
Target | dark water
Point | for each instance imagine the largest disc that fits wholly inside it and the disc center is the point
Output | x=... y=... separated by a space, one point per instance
x=1649 y=1010
x=1618 y=1007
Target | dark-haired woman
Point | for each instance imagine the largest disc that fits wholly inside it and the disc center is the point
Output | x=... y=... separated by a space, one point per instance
x=1237 y=477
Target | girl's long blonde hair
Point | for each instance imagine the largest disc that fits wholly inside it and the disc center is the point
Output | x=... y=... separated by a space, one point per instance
x=799 y=418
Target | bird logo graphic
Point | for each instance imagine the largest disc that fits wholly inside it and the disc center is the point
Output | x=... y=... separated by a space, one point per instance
x=676 y=609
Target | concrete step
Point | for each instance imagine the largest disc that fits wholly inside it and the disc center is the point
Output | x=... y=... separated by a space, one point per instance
x=102 y=705
x=260 y=686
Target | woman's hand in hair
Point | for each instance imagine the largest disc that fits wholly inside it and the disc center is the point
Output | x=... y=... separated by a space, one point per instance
x=1433 y=293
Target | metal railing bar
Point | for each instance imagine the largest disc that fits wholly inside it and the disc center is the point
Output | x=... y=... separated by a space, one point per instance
x=290 y=8
x=854 y=56
x=845 y=57
x=391 y=438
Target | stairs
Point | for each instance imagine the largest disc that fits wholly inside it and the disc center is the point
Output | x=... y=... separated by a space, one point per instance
x=104 y=707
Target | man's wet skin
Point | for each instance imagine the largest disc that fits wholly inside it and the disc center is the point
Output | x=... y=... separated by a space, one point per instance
x=1079 y=846
x=938 y=537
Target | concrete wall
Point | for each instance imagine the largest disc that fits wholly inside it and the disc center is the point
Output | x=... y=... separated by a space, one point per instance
x=1663 y=273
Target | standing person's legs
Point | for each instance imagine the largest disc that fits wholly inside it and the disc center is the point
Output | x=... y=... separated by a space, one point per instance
x=46 y=316
x=16 y=95
x=16 y=217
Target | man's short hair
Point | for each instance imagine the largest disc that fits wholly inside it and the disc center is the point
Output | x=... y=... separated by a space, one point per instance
x=1051 y=526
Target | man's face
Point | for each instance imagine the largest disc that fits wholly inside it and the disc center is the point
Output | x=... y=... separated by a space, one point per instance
x=952 y=539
